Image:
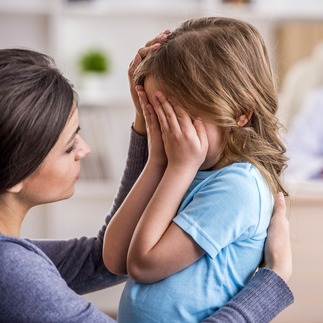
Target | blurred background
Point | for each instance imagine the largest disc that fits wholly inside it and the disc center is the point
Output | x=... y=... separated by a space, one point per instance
x=93 y=43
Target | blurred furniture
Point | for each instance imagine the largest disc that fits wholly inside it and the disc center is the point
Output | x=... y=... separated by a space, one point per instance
x=303 y=75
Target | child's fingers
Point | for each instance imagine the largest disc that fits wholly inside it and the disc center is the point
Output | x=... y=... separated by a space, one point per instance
x=178 y=119
x=168 y=114
x=163 y=118
x=184 y=120
x=148 y=111
x=201 y=132
x=147 y=115
x=150 y=116
x=142 y=95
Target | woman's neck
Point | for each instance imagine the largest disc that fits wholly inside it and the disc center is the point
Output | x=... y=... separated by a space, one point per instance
x=12 y=213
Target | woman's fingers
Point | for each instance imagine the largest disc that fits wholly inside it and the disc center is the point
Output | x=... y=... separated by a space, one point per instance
x=154 y=44
x=160 y=38
x=278 y=252
x=141 y=54
x=150 y=46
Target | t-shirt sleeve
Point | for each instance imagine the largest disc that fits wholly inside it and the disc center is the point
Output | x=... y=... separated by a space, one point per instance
x=224 y=209
x=32 y=290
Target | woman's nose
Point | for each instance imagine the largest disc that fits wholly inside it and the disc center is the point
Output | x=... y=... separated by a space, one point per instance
x=83 y=149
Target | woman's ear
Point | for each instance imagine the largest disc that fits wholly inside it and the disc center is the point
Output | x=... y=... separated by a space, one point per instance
x=244 y=119
x=15 y=189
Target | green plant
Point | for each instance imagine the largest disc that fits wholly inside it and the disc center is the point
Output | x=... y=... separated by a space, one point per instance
x=95 y=60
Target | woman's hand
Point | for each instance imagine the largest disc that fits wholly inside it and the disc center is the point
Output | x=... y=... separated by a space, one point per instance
x=152 y=45
x=278 y=252
x=157 y=154
x=185 y=141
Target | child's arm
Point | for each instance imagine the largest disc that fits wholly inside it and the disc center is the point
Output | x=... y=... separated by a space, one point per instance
x=119 y=232
x=120 y=229
x=159 y=247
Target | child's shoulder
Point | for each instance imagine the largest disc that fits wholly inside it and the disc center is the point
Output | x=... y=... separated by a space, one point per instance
x=239 y=170
x=237 y=177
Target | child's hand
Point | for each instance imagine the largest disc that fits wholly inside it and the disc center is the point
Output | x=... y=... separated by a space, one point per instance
x=185 y=141
x=157 y=154
x=152 y=45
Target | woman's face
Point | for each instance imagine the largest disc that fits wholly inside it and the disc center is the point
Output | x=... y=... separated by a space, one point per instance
x=55 y=178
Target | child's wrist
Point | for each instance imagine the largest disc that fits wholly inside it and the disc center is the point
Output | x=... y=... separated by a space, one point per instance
x=157 y=163
x=180 y=171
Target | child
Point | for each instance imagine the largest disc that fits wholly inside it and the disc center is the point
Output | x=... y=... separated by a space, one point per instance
x=191 y=232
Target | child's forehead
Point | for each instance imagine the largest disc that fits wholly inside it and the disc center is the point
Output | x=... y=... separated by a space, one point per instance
x=150 y=85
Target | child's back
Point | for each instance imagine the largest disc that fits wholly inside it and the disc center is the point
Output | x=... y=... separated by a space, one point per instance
x=227 y=213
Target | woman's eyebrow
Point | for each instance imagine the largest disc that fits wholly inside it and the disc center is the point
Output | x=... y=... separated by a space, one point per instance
x=73 y=135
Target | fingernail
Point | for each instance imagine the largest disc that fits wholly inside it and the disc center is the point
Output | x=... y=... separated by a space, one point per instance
x=280 y=196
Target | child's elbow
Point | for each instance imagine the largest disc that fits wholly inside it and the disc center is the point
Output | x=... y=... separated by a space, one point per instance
x=113 y=265
x=141 y=272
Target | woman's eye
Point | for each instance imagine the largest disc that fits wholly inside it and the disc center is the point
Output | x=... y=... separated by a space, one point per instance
x=69 y=150
x=74 y=145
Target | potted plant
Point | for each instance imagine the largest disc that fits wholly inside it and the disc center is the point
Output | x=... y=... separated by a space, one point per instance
x=95 y=65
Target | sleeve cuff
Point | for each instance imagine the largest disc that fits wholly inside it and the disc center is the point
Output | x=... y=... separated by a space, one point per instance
x=137 y=155
x=266 y=293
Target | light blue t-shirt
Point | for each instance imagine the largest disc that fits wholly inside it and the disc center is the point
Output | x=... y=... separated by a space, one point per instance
x=227 y=213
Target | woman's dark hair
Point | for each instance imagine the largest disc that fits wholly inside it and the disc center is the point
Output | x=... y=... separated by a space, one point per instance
x=35 y=104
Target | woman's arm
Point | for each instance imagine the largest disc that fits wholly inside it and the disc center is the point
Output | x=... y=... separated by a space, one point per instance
x=262 y=299
x=267 y=293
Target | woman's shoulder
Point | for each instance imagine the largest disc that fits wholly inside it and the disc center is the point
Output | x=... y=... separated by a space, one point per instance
x=11 y=246
x=19 y=255
x=33 y=290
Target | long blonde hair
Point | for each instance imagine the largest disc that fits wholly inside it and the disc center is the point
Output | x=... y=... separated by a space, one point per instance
x=219 y=68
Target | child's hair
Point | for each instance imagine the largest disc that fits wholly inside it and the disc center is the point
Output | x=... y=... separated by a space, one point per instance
x=35 y=104
x=219 y=68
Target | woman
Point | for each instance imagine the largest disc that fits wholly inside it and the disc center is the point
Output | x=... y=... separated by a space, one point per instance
x=41 y=151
